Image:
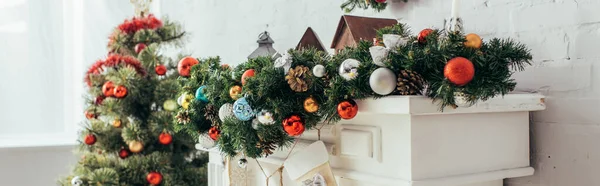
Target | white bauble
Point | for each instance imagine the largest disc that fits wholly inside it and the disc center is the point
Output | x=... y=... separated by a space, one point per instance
x=180 y=99
x=76 y=181
x=379 y=54
x=205 y=142
x=225 y=111
x=382 y=81
x=319 y=71
x=349 y=69
x=265 y=117
x=255 y=124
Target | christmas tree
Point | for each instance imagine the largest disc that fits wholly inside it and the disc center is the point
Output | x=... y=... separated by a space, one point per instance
x=129 y=137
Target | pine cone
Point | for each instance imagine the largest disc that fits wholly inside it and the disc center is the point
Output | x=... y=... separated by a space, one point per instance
x=211 y=113
x=183 y=117
x=267 y=147
x=409 y=83
x=298 y=78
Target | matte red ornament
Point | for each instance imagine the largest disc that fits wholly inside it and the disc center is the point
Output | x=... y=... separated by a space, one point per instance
x=185 y=66
x=108 y=89
x=460 y=71
x=89 y=139
x=139 y=47
x=154 y=178
x=160 y=70
x=422 y=38
x=380 y=1
x=123 y=153
x=120 y=91
x=247 y=74
x=214 y=133
x=165 y=138
x=347 y=109
x=293 y=125
x=89 y=115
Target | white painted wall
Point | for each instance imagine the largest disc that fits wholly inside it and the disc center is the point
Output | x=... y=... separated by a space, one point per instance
x=564 y=36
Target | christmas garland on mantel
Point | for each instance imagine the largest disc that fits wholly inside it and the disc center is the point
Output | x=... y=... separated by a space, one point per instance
x=377 y=5
x=263 y=103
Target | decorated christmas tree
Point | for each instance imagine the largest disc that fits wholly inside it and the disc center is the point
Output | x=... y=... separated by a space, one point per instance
x=129 y=137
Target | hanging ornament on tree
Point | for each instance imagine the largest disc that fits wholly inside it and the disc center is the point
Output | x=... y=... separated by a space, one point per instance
x=185 y=100
x=299 y=78
x=165 y=138
x=154 y=178
x=409 y=83
x=200 y=94
x=265 y=117
x=136 y=146
x=293 y=125
x=319 y=71
x=185 y=66
x=247 y=74
x=347 y=109
x=311 y=105
x=170 y=105
x=473 y=41
x=349 y=69
x=139 y=47
x=235 y=92
x=89 y=139
x=382 y=81
x=90 y=115
x=123 y=153
x=459 y=71
x=225 y=111
x=120 y=91
x=205 y=142
x=76 y=181
x=117 y=123
x=422 y=38
x=242 y=110
x=214 y=133
x=243 y=163
x=160 y=69
x=108 y=89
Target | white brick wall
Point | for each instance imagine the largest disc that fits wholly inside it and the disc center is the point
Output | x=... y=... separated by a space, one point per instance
x=564 y=36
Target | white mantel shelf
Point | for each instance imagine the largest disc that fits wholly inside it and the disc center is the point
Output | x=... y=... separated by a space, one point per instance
x=407 y=141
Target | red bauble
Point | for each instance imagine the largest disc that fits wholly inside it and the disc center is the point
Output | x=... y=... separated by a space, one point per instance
x=247 y=74
x=90 y=115
x=139 y=47
x=108 y=89
x=214 y=133
x=160 y=70
x=89 y=139
x=123 y=153
x=154 y=178
x=422 y=38
x=120 y=91
x=185 y=66
x=459 y=71
x=165 y=138
x=293 y=125
x=347 y=109
x=380 y=1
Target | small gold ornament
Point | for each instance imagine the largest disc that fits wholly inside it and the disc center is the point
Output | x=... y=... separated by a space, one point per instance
x=473 y=41
x=117 y=123
x=311 y=105
x=235 y=92
x=136 y=146
x=298 y=78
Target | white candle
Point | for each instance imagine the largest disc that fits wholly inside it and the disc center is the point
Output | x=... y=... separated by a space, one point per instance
x=454 y=8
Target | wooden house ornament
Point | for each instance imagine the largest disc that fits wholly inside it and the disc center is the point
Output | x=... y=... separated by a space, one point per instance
x=310 y=39
x=352 y=29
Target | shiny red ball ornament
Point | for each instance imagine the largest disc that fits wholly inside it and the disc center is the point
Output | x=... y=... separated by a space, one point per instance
x=120 y=91
x=185 y=66
x=459 y=71
x=214 y=133
x=347 y=109
x=422 y=38
x=380 y=1
x=89 y=139
x=160 y=70
x=108 y=89
x=293 y=125
x=247 y=74
x=154 y=178
x=165 y=138
x=139 y=47
x=123 y=153
x=90 y=115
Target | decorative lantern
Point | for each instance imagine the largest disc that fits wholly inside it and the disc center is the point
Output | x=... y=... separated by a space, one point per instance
x=265 y=47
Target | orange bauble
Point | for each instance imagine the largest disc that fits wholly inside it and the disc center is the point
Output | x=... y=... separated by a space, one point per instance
x=459 y=71
x=108 y=89
x=185 y=66
x=214 y=133
x=347 y=109
x=249 y=73
x=165 y=138
x=154 y=178
x=160 y=70
x=422 y=38
x=293 y=125
x=120 y=91
x=89 y=139
x=473 y=41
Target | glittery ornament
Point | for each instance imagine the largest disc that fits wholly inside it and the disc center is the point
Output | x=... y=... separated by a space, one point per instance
x=311 y=105
x=200 y=96
x=225 y=111
x=265 y=117
x=318 y=70
x=235 y=92
x=460 y=71
x=349 y=69
x=242 y=110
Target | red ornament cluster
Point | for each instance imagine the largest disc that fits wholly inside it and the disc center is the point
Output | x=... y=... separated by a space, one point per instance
x=131 y=26
x=114 y=60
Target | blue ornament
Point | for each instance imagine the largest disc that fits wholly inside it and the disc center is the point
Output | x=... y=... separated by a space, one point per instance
x=200 y=94
x=242 y=110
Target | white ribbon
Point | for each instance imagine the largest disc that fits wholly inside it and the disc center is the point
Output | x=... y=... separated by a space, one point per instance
x=284 y=61
x=391 y=42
